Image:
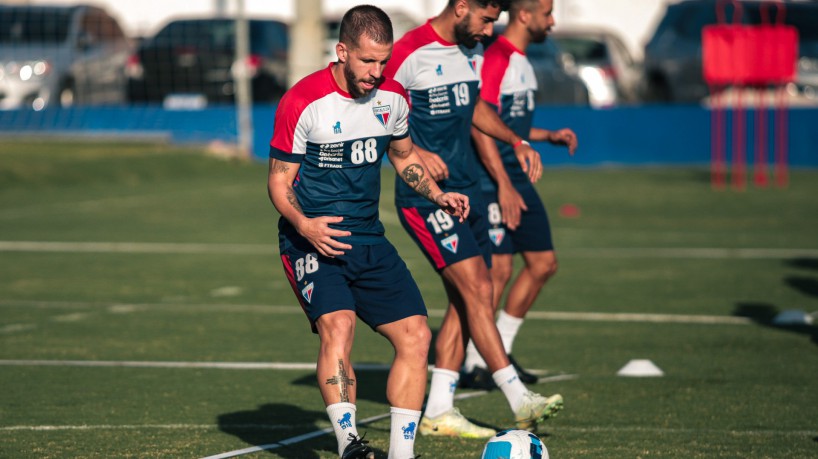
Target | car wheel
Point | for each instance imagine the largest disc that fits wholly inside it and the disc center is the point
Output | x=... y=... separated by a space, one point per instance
x=658 y=89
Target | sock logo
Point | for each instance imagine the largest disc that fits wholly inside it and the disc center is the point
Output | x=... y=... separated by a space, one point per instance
x=346 y=421
x=409 y=431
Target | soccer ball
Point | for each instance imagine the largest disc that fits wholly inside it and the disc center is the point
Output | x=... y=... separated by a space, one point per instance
x=515 y=444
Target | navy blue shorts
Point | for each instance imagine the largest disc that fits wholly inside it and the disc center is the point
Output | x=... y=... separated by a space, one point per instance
x=442 y=238
x=532 y=235
x=371 y=280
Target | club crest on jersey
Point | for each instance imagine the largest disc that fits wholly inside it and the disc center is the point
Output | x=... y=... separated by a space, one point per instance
x=450 y=243
x=382 y=113
x=306 y=292
x=497 y=235
x=473 y=65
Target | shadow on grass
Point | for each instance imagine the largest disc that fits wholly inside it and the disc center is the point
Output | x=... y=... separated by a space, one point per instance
x=274 y=422
x=764 y=314
x=804 y=263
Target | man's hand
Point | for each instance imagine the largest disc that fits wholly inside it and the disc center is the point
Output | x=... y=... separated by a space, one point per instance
x=454 y=204
x=529 y=160
x=565 y=137
x=321 y=236
x=512 y=206
x=434 y=165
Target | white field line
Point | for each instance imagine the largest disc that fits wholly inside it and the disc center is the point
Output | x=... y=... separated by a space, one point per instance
x=138 y=247
x=283 y=309
x=267 y=249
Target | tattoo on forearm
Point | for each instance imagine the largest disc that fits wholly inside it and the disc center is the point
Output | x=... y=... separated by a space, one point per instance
x=293 y=200
x=401 y=153
x=343 y=381
x=413 y=174
x=424 y=189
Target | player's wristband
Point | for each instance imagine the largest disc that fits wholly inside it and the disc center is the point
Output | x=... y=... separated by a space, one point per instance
x=520 y=142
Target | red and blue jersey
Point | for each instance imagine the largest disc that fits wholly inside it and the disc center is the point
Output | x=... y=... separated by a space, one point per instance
x=443 y=81
x=339 y=143
x=509 y=85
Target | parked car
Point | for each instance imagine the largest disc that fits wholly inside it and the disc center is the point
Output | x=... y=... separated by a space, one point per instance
x=60 y=56
x=557 y=79
x=603 y=62
x=195 y=59
x=673 y=56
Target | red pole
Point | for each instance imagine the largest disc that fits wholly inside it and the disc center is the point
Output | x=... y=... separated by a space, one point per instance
x=717 y=147
x=760 y=166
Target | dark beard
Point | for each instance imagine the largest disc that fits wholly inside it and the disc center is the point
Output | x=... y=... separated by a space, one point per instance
x=462 y=35
x=352 y=86
x=538 y=37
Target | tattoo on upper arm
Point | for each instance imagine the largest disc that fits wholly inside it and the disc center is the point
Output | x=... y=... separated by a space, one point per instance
x=280 y=167
x=342 y=380
x=413 y=174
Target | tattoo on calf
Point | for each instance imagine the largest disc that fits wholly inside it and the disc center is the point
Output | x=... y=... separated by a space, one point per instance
x=343 y=381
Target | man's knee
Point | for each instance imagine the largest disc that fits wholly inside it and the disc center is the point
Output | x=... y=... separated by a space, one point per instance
x=336 y=329
x=543 y=269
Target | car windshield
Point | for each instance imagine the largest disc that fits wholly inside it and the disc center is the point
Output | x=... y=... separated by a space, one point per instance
x=213 y=34
x=584 y=49
x=220 y=34
x=26 y=25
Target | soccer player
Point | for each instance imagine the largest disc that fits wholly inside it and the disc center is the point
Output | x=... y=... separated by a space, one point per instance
x=439 y=64
x=331 y=131
x=518 y=220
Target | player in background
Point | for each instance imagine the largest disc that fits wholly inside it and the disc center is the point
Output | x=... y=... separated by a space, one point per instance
x=439 y=65
x=331 y=132
x=519 y=222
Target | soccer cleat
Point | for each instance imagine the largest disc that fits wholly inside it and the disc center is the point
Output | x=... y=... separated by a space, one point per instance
x=536 y=408
x=479 y=379
x=453 y=424
x=525 y=377
x=358 y=448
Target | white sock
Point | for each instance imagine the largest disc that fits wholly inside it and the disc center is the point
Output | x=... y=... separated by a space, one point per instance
x=508 y=326
x=441 y=392
x=473 y=358
x=402 y=434
x=342 y=417
x=508 y=382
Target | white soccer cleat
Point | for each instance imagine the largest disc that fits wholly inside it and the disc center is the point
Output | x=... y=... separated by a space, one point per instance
x=536 y=408
x=453 y=424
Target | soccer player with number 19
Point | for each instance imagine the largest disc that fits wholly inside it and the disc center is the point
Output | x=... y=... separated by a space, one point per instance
x=331 y=131
x=439 y=65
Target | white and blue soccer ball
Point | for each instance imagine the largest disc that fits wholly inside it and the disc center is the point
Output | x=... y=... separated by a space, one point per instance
x=514 y=444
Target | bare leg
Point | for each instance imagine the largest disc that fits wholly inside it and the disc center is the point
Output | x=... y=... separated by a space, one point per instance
x=336 y=378
x=469 y=286
x=539 y=267
x=406 y=385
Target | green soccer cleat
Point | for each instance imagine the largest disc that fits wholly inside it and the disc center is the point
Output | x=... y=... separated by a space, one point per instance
x=536 y=408
x=453 y=424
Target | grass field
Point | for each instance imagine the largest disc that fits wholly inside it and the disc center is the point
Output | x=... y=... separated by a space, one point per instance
x=128 y=267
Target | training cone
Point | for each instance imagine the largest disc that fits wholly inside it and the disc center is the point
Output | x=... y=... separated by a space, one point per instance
x=640 y=368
